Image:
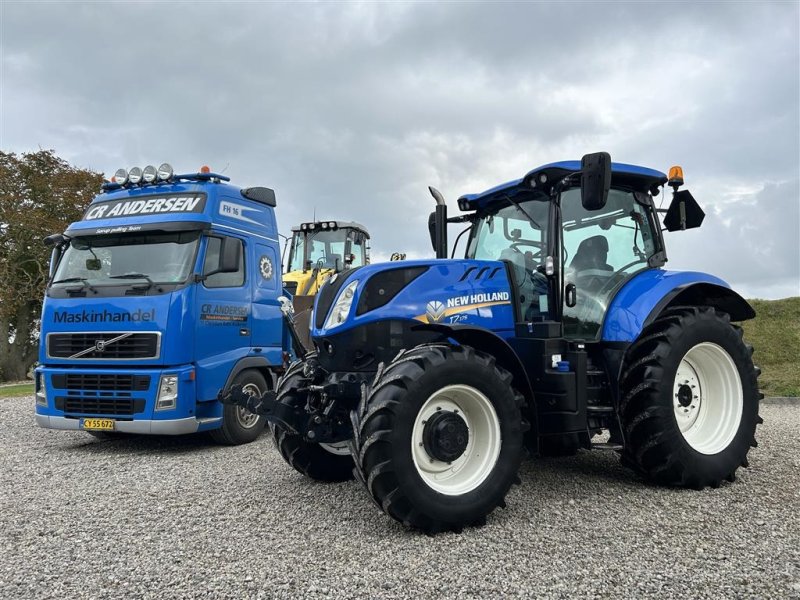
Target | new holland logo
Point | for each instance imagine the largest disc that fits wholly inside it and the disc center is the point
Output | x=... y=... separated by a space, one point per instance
x=434 y=310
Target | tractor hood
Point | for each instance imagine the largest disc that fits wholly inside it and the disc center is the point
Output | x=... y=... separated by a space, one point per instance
x=467 y=292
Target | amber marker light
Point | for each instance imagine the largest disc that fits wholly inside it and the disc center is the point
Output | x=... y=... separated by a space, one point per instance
x=205 y=169
x=675 y=176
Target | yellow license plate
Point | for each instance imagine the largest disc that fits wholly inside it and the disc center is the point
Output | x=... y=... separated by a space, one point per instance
x=98 y=424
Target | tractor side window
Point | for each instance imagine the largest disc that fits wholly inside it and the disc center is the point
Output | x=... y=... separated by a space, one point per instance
x=357 y=252
x=219 y=280
x=601 y=250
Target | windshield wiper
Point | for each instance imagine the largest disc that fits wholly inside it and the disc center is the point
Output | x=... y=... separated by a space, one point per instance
x=150 y=282
x=524 y=212
x=85 y=282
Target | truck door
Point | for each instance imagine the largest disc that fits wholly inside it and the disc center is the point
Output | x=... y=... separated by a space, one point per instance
x=224 y=317
x=266 y=314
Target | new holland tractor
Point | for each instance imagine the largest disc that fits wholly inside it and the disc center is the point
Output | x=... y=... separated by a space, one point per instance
x=430 y=379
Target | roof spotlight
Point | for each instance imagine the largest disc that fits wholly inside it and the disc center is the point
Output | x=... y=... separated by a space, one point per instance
x=324 y=225
x=149 y=174
x=332 y=224
x=121 y=177
x=135 y=175
x=165 y=172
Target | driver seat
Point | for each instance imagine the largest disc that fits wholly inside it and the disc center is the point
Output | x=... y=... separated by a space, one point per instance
x=592 y=255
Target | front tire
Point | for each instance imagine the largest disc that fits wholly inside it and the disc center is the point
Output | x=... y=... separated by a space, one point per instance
x=439 y=437
x=689 y=399
x=321 y=462
x=240 y=426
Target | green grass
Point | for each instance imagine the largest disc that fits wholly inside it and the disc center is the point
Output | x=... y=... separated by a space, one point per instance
x=775 y=335
x=12 y=391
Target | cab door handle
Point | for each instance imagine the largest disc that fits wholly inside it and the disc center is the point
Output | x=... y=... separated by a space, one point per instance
x=244 y=331
x=570 y=295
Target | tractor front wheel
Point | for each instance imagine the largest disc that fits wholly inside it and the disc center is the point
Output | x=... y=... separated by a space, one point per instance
x=690 y=399
x=322 y=462
x=439 y=437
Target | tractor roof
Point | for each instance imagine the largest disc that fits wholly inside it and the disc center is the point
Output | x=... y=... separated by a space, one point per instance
x=623 y=175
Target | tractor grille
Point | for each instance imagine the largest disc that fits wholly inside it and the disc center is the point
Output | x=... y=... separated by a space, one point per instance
x=101 y=382
x=99 y=405
x=99 y=345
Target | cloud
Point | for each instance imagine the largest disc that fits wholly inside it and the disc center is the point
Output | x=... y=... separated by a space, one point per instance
x=351 y=110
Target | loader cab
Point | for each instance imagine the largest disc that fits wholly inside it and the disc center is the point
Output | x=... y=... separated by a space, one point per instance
x=566 y=261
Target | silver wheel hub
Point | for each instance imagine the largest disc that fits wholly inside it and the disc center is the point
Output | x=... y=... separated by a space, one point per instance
x=707 y=398
x=244 y=417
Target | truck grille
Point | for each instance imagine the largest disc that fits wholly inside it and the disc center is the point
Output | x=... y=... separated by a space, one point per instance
x=101 y=382
x=101 y=345
x=99 y=405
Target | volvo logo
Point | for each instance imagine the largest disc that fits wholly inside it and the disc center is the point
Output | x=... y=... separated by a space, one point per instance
x=99 y=345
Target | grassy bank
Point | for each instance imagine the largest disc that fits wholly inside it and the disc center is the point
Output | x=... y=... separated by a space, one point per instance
x=775 y=335
x=20 y=389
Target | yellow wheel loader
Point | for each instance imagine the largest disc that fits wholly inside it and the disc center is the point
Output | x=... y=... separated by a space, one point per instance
x=317 y=251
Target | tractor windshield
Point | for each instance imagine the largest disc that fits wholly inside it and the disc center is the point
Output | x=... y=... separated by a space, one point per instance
x=517 y=234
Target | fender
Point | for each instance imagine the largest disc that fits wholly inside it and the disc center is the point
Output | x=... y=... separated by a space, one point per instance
x=488 y=341
x=259 y=363
x=639 y=302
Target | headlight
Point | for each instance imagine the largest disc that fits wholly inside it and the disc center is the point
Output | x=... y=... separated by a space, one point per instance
x=135 y=175
x=167 y=392
x=41 y=390
x=341 y=309
x=149 y=174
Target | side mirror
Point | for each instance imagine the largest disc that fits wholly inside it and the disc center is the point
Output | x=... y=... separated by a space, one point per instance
x=229 y=256
x=683 y=213
x=595 y=180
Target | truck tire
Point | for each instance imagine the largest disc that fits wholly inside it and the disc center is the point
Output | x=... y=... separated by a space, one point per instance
x=690 y=399
x=239 y=426
x=321 y=462
x=439 y=437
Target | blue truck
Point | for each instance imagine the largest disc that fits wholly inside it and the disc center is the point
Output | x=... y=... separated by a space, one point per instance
x=431 y=379
x=164 y=293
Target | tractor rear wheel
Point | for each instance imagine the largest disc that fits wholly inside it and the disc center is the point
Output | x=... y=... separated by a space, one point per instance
x=439 y=437
x=322 y=462
x=689 y=399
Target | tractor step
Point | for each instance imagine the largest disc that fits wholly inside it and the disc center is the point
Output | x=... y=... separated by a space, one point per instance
x=606 y=446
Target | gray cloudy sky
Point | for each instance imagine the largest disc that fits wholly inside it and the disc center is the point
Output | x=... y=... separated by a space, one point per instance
x=353 y=109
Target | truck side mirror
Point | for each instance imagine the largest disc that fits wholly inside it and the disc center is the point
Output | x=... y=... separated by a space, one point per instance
x=683 y=213
x=595 y=180
x=229 y=256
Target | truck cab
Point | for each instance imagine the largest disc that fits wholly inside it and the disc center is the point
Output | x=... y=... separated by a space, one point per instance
x=163 y=295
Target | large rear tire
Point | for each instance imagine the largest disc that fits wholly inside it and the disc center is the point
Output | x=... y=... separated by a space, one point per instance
x=439 y=437
x=321 y=462
x=689 y=399
x=240 y=426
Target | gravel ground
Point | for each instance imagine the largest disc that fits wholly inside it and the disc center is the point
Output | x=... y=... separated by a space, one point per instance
x=180 y=517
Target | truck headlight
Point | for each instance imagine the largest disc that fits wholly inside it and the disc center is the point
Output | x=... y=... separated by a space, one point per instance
x=341 y=308
x=167 y=392
x=41 y=390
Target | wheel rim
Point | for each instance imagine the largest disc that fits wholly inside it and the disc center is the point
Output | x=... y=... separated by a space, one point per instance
x=244 y=417
x=707 y=398
x=474 y=465
x=339 y=448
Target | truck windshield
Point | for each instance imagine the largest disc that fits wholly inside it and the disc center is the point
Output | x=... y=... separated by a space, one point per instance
x=324 y=247
x=157 y=257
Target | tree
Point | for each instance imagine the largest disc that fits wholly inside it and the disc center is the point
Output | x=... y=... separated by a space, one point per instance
x=40 y=194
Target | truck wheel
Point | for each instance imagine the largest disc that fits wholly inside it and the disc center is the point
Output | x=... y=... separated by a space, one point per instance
x=239 y=425
x=322 y=462
x=689 y=399
x=439 y=437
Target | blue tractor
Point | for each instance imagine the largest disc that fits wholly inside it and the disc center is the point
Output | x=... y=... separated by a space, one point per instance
x=430 y=380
